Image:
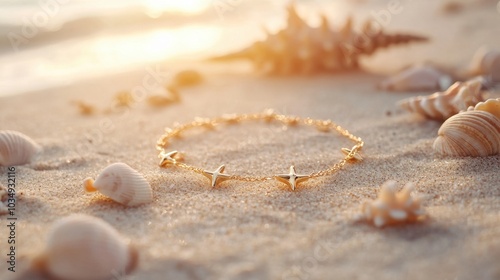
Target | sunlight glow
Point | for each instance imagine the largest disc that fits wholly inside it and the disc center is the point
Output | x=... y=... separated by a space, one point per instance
x=157 y=45
x=183 y=6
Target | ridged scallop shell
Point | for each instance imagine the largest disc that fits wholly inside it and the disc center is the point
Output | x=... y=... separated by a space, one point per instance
x=82 y=247
x=417 y=78
x=392 y=207
x=16 y=148
x=122 y=184
x=302 y=49
x=442 y=105
x=486 y=62
x=472 y=133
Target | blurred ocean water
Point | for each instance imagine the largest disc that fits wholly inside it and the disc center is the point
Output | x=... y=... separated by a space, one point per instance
x=47 y=43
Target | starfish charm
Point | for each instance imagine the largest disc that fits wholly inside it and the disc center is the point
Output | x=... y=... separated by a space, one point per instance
x=292 y=178
x=216 y=176
x=356 y=156
x=167 y=158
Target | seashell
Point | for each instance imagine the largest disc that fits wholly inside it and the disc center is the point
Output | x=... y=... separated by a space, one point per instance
x=392 y=207
x=16 y=148
x=491 y=106
x=442 y=105
x=4 y=195
x=187 y=78
x=486 y=62
x=122 y=184
x=82 y=247
x=302 y=49
x=475 y=132
x=417 y=78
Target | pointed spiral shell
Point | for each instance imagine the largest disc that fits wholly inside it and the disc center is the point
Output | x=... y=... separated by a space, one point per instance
x=473 y=133
x=16 y=148
x=392 y=207
x=82 y=247
x=442 y=105
x=122 y=184
x=302 y=49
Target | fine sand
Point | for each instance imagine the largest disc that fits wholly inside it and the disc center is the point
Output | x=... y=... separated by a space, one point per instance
x=259 y=230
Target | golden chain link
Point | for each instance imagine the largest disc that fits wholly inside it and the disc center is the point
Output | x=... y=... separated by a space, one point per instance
x=267 y=116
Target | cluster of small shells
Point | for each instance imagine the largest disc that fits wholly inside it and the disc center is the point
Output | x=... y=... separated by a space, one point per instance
x=122 y=184
x=485 y=64
x=475 y=132
x=392 y=207
x=16 y=148
x=442 y=105
x=302 y=49
x=82 y=247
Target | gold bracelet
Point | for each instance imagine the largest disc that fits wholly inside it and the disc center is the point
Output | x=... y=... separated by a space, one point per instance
x=173 y=158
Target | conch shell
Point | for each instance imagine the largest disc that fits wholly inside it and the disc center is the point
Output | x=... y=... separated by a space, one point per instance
x=82 y=247
x=301 y=49
x=417 y=78
x=475 y=132
x=392 y=207
x=442 y=105
x=122 y=184
x=16 y=148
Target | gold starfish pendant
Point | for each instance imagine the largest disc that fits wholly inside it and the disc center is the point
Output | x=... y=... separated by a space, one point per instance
x=167 y=158
x=356 y=156
x=216 y=177
x=292 y=178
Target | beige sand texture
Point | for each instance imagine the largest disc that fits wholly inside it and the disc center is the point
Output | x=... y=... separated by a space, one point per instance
x=261 y=230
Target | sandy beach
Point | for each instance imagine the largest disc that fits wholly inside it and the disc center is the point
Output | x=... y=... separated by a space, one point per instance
x=264 y=230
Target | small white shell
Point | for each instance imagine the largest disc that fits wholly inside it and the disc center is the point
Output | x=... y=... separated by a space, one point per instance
x=472 y=133
x=486 y=62
x=417 y=78
x=442 y=105
x=122 y=184
x=392 y=207
x=16 y=148
x=82 y=247
x=4 y=195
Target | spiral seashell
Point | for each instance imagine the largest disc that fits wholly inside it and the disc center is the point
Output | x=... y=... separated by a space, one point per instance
x=82 y=247
x=475 y=132
x=302 y=49
x=417 y=78
x=122 y=184
x=442 y=105
x=486 y=62
x=392 y=207
x=16 y=148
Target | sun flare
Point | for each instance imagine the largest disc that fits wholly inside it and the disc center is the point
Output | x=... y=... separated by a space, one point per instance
x=184 y=6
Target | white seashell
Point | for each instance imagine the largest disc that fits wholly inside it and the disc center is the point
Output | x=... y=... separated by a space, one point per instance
x=471 y=133
x=16 y=148
x=417 y=78
x=82 y=247
x=486 y=62
x=399 y=207
x=442 y=105
x=4 y=195
x=122 y=184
